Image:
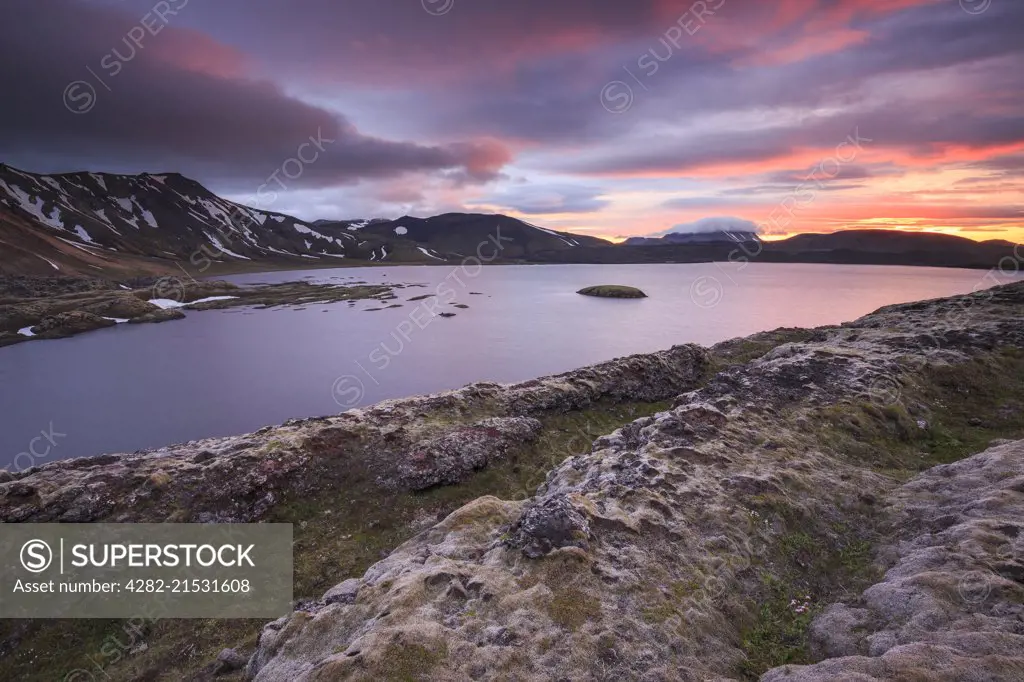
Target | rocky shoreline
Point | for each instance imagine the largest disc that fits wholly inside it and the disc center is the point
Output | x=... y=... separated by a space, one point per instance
x=410 y=444
x=805 y=508
x=690 y=544
x=38 y=308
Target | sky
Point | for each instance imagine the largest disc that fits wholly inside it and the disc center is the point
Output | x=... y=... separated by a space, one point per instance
x=601 y=117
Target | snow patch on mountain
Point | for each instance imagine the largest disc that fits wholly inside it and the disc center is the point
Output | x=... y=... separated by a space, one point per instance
x=302 y=229
x=148 y=217
x=34 y=206
x=80 y=247
x=83 y=235
x=565 y=240
x=52 y=264
x=428 y=253
x=223 y=249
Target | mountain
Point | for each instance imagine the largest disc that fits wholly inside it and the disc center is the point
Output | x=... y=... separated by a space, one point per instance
x=717 y=237
x=126 y=225
x=879 y=240
x=855 y=247
x=95 y=220
x=81 y=223
x=472 y=234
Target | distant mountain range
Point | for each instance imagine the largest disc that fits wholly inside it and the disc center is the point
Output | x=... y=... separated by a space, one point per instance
x=717 y=237
x=127 y=225
x=82 y=223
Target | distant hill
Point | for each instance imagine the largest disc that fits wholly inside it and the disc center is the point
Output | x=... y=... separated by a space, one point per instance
x=888 y=247
x=864 y=247
x=718 y=237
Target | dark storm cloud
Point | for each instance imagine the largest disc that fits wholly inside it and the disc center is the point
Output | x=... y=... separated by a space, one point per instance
x=557 y=99
x=164 y=97
x=228 y=90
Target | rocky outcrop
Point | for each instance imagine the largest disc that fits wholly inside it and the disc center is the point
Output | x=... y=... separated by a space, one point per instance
x=158 y=316
x=122 y=305
x=66 y=305
x=647 y=557
x=449 y=457
x=952 y=605
x=63 y=325
x=408 y=444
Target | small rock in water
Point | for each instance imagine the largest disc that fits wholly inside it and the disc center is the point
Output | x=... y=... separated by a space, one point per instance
x=612 y=291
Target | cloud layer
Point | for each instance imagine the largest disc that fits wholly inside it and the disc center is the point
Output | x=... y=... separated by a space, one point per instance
x=597 y=115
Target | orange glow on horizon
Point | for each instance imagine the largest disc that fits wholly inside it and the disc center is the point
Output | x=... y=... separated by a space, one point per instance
x=1016 y=236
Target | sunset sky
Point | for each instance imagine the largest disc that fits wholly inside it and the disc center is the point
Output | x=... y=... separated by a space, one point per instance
x=612 y=118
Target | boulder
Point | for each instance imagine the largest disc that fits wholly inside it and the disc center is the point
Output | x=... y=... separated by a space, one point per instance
x=230 y=660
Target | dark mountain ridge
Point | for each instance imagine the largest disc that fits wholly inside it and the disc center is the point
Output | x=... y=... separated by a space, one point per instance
x=90 y=223
x=117 y=225
x=716 y=237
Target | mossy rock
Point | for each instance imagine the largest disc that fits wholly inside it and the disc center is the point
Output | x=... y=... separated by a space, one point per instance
x=612 y=291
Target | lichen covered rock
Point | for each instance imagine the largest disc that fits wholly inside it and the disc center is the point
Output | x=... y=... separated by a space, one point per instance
x=407 y=444
x=951 y=607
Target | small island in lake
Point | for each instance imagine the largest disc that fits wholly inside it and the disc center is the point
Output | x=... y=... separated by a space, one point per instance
x=612 y=291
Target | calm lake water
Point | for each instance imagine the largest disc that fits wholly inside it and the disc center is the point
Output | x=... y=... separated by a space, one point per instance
x=228 y=372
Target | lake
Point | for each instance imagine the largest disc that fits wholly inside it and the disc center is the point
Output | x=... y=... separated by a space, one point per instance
x=228 y=372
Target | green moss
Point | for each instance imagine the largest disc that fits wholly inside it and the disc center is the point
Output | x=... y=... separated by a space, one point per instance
x=741 y=351
x=943 y=414
x=808 y=564
x=273 y=446
x=571 y=608
x=797 y=544
x=409 y=663
x=957 y=411
x=779 y=635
